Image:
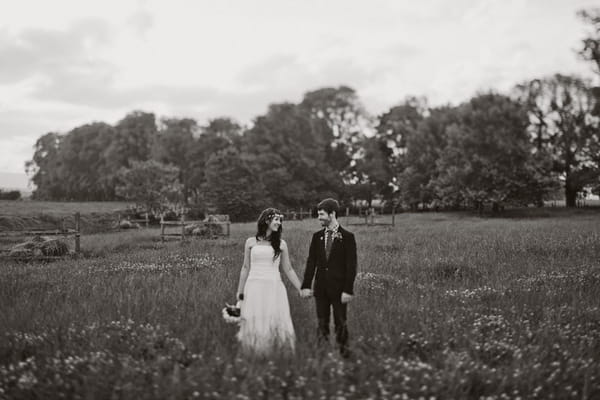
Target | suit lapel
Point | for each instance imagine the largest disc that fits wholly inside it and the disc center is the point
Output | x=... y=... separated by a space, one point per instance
x=322 y=244
x=334 y=245
x=336 y=242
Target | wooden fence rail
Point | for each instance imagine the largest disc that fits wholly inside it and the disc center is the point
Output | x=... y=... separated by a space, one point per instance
x=298 y=215
x=63 y=231
x=145 y=220
x=183 y=223
x=369 y=216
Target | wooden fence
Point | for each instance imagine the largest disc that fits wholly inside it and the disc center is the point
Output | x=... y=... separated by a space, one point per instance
x=62 y=231
x=145 y=221
x=297 y=215
x=182 y=224
x=369 y=215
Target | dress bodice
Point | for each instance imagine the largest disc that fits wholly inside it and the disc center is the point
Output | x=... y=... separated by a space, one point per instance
x=262 y=265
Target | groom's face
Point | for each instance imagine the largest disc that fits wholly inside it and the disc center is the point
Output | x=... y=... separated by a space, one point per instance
x=324 y=218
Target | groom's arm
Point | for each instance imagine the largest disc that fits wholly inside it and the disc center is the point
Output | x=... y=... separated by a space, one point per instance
x=311 y=264
x=350 y=265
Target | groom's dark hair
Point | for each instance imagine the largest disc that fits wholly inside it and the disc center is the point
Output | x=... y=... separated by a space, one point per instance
x=329 y=205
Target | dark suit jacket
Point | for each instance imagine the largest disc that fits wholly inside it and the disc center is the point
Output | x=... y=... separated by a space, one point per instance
x=335 y=273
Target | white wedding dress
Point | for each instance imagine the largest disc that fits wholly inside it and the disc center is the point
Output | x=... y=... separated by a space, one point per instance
x=266 y=323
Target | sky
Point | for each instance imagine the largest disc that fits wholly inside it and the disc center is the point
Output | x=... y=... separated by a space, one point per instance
x=67 y=63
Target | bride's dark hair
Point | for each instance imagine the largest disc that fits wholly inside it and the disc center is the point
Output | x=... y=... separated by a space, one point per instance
x=263 y=224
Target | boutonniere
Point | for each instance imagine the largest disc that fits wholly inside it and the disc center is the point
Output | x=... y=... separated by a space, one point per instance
x=337 y=236
x=321 y=237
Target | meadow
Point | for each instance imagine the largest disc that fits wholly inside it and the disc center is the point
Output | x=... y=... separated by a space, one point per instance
x=448 y=305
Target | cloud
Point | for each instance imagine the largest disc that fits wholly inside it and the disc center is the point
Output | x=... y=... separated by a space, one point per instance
x=278 y=68
x=83 y=88
x=47 y=52
x=285 y=73
x=66 y=66
x=141 y=21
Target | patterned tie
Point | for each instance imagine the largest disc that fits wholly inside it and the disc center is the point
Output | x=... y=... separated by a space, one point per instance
x=328 y=241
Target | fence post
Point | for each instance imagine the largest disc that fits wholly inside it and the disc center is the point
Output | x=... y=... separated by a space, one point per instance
x=77 y=233
x=162 y=228
x=393 y=215
x=228 y=228
x=182 y=226
x=347 y=215
x=147 y=221
x=301 y=213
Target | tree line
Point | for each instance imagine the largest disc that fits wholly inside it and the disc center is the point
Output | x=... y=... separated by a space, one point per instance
x=495 y=149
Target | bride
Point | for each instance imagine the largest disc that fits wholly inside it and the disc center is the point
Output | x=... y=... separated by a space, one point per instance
x=266 y=323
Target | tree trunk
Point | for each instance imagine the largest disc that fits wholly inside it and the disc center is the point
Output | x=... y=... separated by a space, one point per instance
x=185 y=193
x=495 y=207
x=570 y=195
x=479 y=205
x=539 y=202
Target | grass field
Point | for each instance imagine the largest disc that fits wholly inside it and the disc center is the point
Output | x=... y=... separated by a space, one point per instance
x=447 y=306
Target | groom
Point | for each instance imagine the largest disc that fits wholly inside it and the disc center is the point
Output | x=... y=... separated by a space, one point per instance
x=332 y=256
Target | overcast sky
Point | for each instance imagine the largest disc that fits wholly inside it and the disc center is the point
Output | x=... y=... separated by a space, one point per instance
x=66 y=63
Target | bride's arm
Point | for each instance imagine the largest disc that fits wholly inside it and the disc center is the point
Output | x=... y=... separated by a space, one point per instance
x=287 y=266
x=245 y=268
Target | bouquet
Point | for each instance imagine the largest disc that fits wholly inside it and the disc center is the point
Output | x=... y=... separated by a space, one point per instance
x=232 y=313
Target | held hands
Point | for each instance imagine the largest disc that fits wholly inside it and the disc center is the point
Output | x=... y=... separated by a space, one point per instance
x=346 y=298
x=306 y=293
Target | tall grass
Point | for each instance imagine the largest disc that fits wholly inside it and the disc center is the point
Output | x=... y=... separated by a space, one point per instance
x=447 y=306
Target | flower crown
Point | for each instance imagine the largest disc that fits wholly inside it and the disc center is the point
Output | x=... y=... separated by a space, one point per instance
x=273 y=214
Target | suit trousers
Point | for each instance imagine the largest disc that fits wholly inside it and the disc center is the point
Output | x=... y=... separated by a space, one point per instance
x=326 y=301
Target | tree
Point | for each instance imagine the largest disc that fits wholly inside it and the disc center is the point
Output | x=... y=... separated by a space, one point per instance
x=218 y=134
x=424 y=147
x=43 y=168
x=151 y=184
x=134 y=136
x=401 y=121
x=488 y=154
x=286 y=150
x=173 y=145
x=232 y=187
x=86 y=174
x=10 y=195
x=395 y=128
x=591 y=44
x=591 y=52
x=346 y=120
x=373 y=170
x=561 y=115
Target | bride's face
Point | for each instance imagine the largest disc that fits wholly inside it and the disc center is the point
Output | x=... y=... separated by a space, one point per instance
x=275 y=223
